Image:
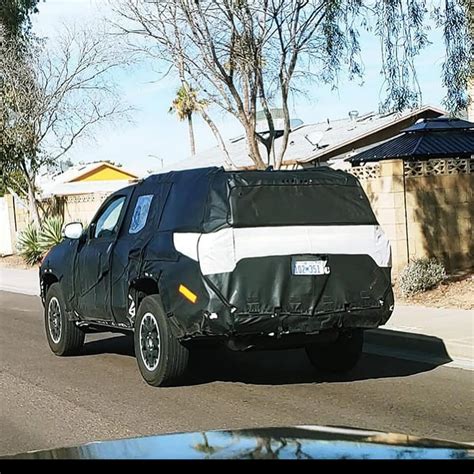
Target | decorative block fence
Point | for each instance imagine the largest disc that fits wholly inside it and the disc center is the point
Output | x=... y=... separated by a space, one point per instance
x=425 y=207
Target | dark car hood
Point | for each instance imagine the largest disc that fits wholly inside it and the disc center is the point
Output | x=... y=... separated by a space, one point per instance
x=305 y=442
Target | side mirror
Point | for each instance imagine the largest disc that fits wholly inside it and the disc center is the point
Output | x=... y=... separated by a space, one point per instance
x=73 y=230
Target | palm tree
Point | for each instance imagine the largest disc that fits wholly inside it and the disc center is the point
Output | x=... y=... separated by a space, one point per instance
x=185 y=104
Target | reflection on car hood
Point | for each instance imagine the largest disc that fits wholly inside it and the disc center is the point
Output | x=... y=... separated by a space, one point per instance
x=301 y=442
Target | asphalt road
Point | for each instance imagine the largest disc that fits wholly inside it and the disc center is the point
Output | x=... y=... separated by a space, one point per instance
x=48 y=401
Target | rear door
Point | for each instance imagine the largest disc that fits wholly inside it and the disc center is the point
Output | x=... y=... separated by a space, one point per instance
x=129 y=250
x=138 y=246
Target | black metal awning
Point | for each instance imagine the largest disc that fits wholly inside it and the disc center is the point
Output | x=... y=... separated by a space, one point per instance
x=429 y=138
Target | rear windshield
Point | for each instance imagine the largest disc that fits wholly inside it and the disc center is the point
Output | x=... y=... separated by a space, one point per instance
x=299 y=204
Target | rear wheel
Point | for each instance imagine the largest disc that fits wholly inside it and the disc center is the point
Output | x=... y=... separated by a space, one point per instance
x=161 y=358
x=341 y=355
x=64 y=337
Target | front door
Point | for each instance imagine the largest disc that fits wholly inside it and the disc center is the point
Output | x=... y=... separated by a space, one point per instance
x=92 y=264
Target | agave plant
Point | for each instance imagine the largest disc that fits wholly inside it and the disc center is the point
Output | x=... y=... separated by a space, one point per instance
x=51 y=233
x=28 y=245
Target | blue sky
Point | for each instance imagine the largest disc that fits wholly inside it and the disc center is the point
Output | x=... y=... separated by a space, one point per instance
x=156 y=132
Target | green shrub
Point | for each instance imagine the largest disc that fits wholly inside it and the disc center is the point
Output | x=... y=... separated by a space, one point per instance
x=420 y=275
x=51 y=233
x=34 y=243
x=28 y=245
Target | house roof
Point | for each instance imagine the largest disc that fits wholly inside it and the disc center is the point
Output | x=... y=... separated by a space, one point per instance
x=347 y=131
x=69 y=182
x=308 y=142
x=77 y=172
x=85 y=187
x=441 y=138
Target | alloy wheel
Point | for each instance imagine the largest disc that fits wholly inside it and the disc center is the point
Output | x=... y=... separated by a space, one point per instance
x=149 y=341
x=54 y=319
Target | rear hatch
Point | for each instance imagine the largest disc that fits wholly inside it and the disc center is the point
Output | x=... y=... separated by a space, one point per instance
x=318 y=197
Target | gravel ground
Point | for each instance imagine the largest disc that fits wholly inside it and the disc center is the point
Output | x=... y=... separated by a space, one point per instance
x=456 y=292
x=14 y=261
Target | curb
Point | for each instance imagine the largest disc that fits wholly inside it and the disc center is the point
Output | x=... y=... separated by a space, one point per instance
x=412 y=346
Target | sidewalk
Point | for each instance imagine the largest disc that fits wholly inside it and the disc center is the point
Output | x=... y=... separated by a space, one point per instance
x=453 y=327
x=18 y=280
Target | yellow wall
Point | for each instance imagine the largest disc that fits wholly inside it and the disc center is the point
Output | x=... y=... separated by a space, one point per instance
x=104 y=173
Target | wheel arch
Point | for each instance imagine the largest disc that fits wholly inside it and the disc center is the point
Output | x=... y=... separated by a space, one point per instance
x=139 y=289
x=47 y=279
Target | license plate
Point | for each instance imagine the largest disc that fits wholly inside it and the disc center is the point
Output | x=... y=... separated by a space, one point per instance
x=310 y=267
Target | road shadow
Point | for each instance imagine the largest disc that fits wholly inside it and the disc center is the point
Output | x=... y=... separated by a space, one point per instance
x=285 y=367
x=108 y=344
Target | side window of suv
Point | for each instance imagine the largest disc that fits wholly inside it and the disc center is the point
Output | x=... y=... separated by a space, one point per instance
x=140 y=213
x=106 y=224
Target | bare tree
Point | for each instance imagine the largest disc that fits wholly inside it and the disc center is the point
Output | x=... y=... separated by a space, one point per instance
x=244 y=55
x=52 y=95
x=139 y=23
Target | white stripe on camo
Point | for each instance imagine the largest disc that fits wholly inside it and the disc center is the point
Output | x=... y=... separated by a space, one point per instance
x=219 y=252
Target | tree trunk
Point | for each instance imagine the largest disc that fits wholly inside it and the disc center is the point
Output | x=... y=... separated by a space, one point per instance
x=269 y=142
x=32 y=203
x=191 y=135
x=252 y=141
x=286 y=132
x=227 y=159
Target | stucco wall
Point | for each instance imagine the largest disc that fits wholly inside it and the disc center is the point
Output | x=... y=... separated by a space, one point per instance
x=425 y=208
x=82 y=207
x=18 y=217
x=79 y=207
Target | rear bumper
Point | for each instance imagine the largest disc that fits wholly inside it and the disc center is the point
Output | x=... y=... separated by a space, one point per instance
x=279 y=325
x=262 y=296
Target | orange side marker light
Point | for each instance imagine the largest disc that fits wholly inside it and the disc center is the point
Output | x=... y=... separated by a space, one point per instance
x=187 y=293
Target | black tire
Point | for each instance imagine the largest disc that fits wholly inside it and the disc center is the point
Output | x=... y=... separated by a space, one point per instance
x=64 y=337
x=339 y=356
x=161 y=358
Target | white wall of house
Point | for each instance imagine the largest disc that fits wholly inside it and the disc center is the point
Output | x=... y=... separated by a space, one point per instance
x=6 y=244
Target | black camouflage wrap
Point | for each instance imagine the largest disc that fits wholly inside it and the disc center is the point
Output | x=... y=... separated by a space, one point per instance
x=260 y=296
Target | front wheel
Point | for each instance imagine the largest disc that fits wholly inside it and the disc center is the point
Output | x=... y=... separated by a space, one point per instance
x=341 y=355
x=64 y=337
x=161 y=358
